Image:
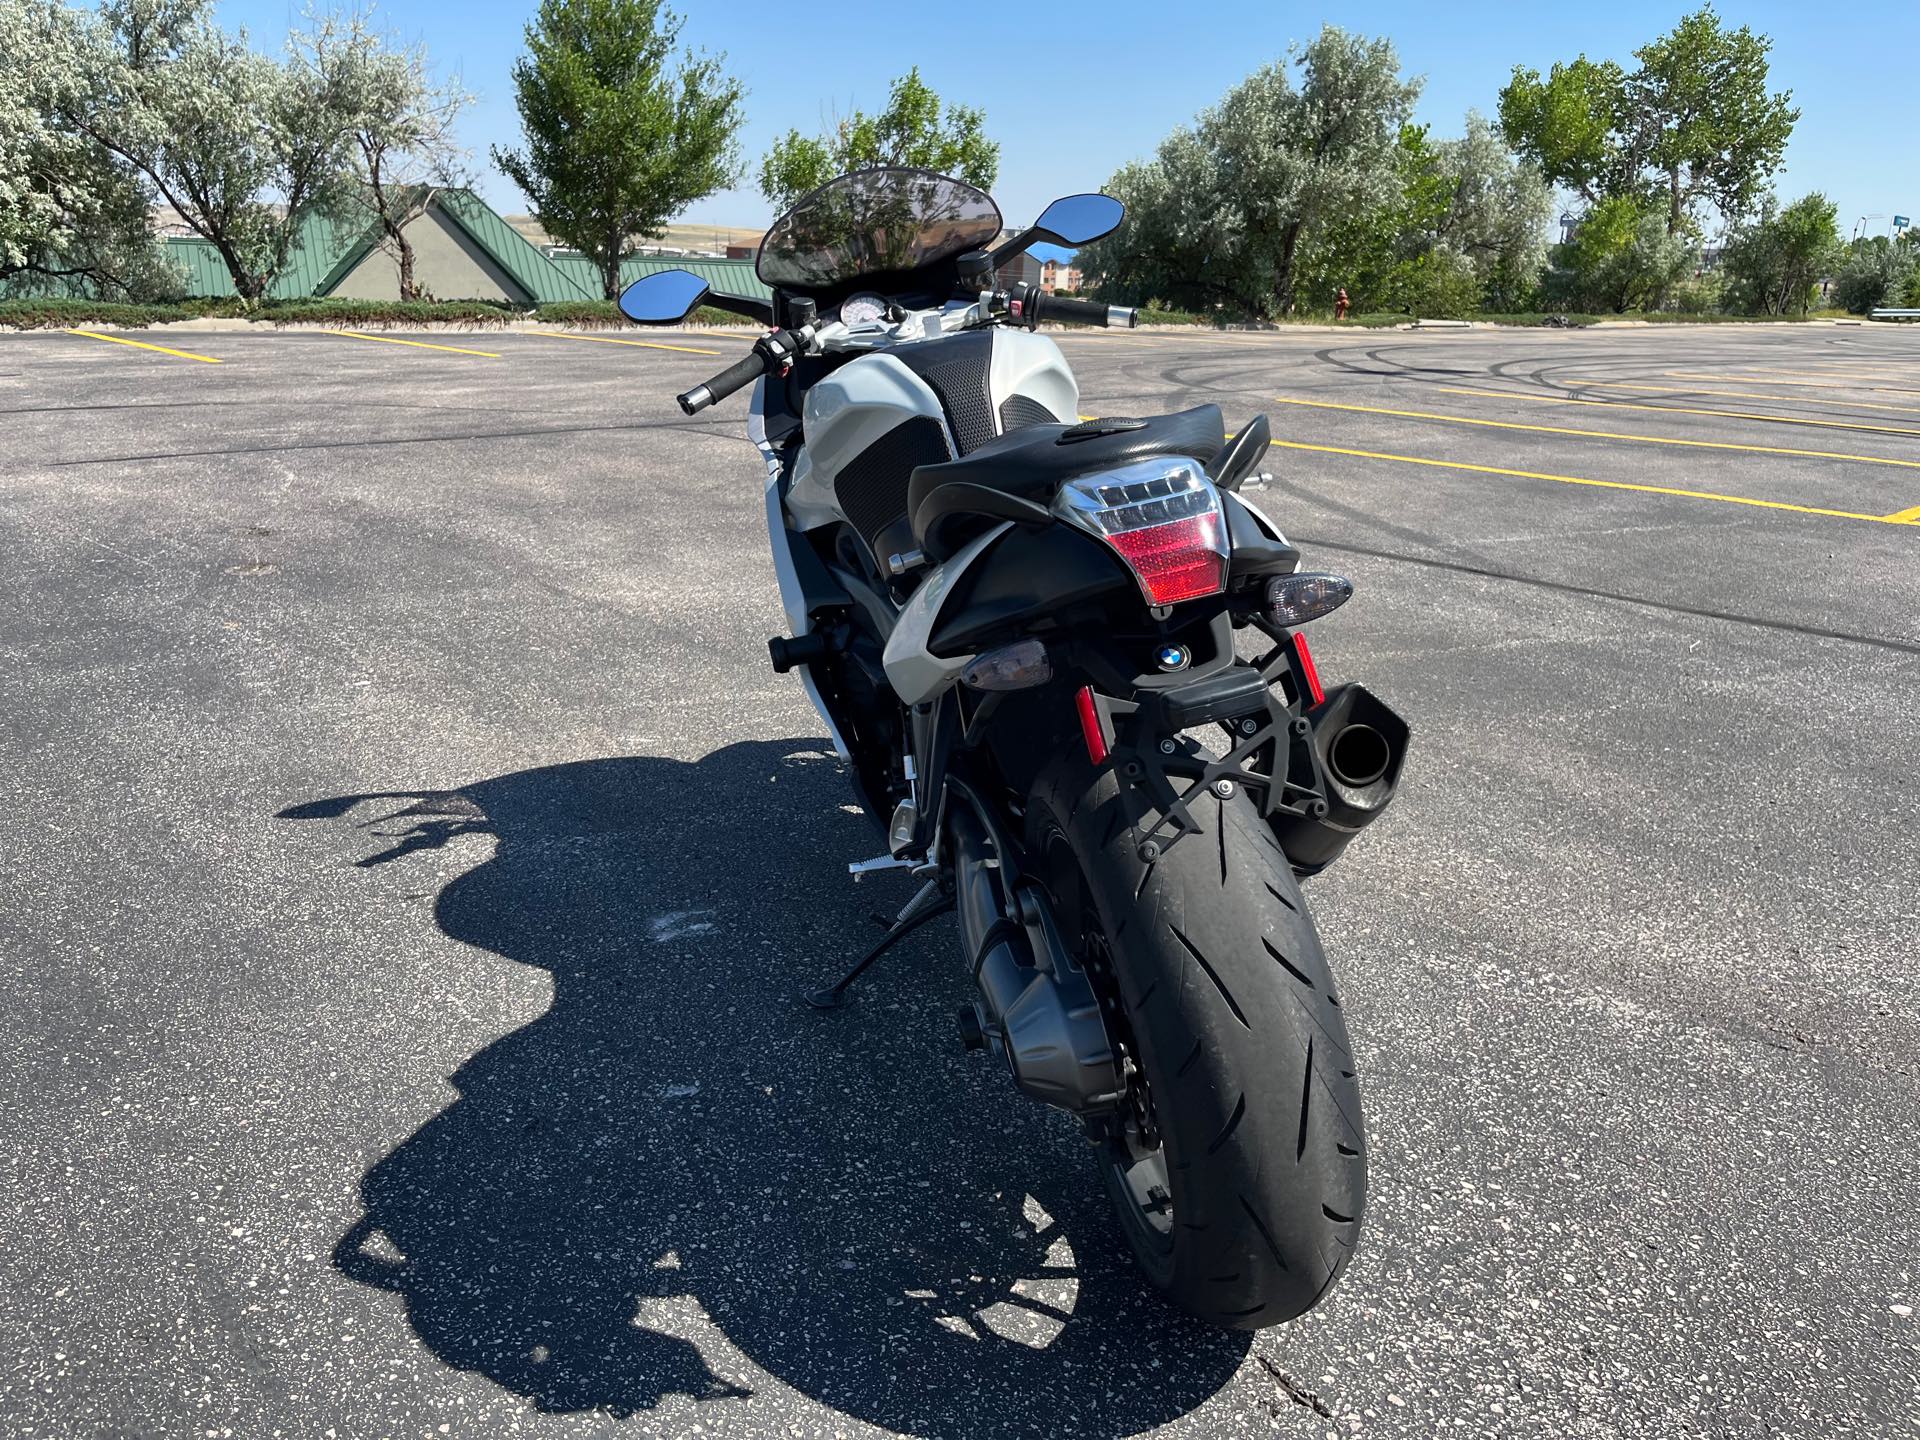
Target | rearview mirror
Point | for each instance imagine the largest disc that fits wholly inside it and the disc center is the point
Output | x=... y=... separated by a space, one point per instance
x=662 y=298
x=1081 y=219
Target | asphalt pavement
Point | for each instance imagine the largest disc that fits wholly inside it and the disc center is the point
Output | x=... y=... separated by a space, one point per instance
x=412 y=865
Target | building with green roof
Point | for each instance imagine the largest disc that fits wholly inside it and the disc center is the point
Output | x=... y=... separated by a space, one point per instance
x=463 y=250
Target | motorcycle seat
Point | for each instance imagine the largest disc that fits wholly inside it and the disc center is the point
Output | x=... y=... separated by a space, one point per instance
x=1027 y=466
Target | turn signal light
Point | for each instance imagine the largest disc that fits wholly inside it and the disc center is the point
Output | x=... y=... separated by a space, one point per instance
x=1019 y=666
x=1161 y=516
x=1295 y=599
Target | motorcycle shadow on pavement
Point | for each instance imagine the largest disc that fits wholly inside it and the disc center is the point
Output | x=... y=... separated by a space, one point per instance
x=678 y=1165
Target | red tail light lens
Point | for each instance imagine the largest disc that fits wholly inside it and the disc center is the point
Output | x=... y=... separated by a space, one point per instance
x=1161 y=516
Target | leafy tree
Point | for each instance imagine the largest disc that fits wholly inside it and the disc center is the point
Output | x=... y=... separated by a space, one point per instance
x=617 y=142
x=1225 y=210
x=916 y=129
x=1375 y=254
x=1875 y=271
x=1694 y=121
x=215 y=128
x=1568 y=125
x=1773 y=264
x=72 y=218
x=1621 y=258
x=400 y=123
x=1496 y=213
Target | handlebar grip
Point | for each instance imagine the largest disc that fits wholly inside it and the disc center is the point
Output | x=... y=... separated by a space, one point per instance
x=1085 y=312
x=741 y=373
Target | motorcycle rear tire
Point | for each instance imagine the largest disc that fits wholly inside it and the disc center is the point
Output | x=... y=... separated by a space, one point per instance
x=1231 y=1015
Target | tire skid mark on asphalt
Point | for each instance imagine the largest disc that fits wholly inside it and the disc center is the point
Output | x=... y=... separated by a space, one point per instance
x=1815 y=632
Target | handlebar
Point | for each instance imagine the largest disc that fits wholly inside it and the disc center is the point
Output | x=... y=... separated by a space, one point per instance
x=770 y=353
x=1042 y=306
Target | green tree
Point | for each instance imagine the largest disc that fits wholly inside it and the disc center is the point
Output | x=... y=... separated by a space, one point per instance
x=1568 y=125
x=1693 y=122
x=1376 y=253
x=916 y=129
x=1773 y=264
x=1225 y=211
x=1621 y=258
x=1496 y=213
x=617 y=140
x=1874 y=271
x=241 y=147
x=73 y=219
x=400 y=125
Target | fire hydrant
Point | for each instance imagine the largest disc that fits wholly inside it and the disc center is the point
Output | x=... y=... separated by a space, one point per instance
x=1341 y=304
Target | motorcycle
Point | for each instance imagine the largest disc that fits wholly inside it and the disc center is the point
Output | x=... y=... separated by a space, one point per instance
x=1019 y=628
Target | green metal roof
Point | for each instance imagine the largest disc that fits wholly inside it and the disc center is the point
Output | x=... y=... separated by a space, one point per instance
x=531 y=270
x=324 y=253
x=735 y=277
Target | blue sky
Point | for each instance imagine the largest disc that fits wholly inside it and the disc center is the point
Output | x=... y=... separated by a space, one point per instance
x=1082 y=89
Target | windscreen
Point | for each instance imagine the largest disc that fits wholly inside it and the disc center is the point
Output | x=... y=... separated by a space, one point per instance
x=874 y=222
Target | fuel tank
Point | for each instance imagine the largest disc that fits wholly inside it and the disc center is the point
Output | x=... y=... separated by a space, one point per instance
x=871 y=420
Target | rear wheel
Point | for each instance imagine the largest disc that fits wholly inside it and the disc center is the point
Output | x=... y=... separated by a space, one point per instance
x=1237 y=1171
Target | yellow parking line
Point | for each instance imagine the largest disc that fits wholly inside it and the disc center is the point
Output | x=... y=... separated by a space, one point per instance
x=142 y=345
x=1598 y=434
x=610 y=340
x=1904 y=517
x=1743 y=395
x=1796 y=379
x=1599 y=484
x=416 y=344
x=1680 y=410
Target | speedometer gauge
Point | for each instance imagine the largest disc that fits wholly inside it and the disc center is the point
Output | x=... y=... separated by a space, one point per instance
x=862 y=309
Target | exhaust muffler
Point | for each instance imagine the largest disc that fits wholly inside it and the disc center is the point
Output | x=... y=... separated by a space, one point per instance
x=1359 y=744
x=1037 y=1008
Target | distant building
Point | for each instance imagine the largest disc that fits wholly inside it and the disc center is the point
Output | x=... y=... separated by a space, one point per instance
x=462 y=251
x=1059 y=275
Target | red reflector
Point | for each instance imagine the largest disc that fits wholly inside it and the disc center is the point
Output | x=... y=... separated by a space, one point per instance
x=1090 y=730
x=1180 y=560
x=1305 y=657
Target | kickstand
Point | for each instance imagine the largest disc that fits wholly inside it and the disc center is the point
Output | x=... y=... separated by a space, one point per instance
x=924 y=906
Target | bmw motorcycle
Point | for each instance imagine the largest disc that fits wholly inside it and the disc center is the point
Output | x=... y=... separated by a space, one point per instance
x=1020 y=628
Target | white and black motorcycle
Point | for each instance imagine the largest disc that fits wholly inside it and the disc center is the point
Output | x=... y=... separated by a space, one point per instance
x=1019 y=628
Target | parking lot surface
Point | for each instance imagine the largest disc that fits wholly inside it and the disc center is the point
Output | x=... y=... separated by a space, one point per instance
x=412 y=865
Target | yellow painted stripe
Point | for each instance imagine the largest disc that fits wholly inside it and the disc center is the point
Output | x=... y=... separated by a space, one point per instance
x=142 y=345
x=1904 y=517
x=1742 y=395
x=1598 y=484
x=1797 y=380
x=611 y=340
x=416 y=344
x=1598 y=434
x=1680 y=410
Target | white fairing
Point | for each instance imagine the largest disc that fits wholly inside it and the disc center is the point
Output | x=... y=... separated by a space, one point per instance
x=798 y=621
x=1028 y=364
x=866 y=397
x=845 y=413
x=916 y=673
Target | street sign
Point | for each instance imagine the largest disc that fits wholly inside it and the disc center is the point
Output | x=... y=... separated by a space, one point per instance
x=1901 y=222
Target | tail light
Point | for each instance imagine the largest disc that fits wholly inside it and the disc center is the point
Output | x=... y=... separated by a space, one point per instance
x=1163 y=517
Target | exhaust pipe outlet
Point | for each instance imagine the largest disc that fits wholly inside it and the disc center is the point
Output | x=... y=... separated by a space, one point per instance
x=1358 y=756
x=1359 y=744
x=1036 y=1008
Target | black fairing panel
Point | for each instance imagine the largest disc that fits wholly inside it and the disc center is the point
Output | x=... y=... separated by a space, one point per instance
x=872 y=487
x=958 y=368
x=1022 y=585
